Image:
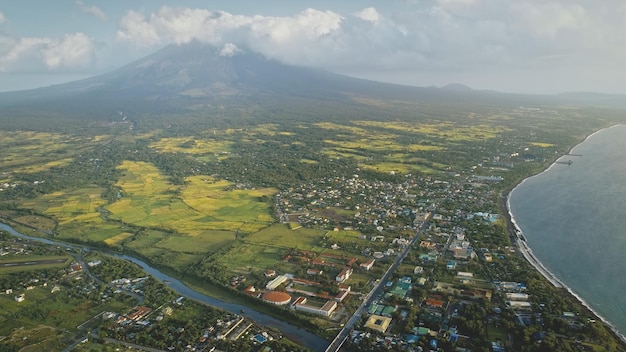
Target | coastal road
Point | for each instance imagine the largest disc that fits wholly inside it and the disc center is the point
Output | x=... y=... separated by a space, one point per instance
x=342 y=336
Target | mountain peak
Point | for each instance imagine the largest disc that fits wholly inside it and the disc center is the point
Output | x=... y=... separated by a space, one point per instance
x=456 y=87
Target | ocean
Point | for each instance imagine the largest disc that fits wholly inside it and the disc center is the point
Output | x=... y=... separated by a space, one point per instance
x=574 y=219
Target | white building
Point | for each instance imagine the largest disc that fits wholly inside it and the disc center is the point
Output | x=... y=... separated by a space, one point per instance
x=326 y=310
x=279 y=280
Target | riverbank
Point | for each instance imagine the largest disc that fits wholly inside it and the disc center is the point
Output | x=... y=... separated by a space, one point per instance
x=519 y=240
x=296 y=334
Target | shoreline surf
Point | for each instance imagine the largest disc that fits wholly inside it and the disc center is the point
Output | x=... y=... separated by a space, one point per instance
x=527 y=253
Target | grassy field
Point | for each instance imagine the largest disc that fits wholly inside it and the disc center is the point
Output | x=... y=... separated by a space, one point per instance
x=32 y=258
x=202 y=206
x=394 y=143
x=191 y=145
x=44 y=328
x=266 y=249
x=28 y=151
x=77 y=205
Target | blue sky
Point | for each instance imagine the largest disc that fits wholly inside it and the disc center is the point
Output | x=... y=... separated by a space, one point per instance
x=531 y=46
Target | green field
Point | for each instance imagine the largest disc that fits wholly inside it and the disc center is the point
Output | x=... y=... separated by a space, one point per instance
x=45 y=327
x=202 y=206
x=32 y=258
x=29 y=151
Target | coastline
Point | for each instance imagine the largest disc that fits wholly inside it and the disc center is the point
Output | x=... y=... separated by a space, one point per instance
x=519 y=240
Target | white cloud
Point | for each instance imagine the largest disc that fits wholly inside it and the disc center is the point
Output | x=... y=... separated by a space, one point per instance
x=229 y=50
x=74 y=52
x=91 y=10
x=369 y=14
x=135 y=29
x=443 y=38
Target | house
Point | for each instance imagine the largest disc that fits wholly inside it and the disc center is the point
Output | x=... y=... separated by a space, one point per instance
x=518 y=304
x=368 y=264
x=20 y=298
x=94 y=263
x=344 y=291
x=139 y=312
x=344 y=275
x=269 y=273
x=418 y=270
x=314 y=271
x=434 y=303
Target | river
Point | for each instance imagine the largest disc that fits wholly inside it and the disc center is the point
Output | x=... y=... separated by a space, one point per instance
x=574 y=219
x=296 y=334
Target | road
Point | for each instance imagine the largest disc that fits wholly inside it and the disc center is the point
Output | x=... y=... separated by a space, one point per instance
x=342 y=336
x=34 y=262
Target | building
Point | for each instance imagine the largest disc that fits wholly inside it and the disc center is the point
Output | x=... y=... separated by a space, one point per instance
x=326 y=310
x=344 y=291
x=276 y=297
x=378 y=323
x=368 y=264
x=279 y=280
x=139 y=312
x=517 y=296
x=20 y=298
x=344 y=275
x=518 y=304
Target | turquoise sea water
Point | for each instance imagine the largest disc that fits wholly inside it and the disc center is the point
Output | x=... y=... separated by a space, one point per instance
x=574 y=220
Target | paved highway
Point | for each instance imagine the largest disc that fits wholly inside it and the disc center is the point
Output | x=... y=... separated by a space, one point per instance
x=342 y=336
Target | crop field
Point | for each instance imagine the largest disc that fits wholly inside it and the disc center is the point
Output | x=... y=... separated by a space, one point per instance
x=391 y=146
x=213 y=198
x=115 y=240
x=191 y=145
x=542 y=145
x=72 y=206
x=27 y=151
x=281 y=236
x=450 y=132
x=204 y=243
x=149 y=200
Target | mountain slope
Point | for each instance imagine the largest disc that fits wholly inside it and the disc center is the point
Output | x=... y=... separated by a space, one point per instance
x=178 y=79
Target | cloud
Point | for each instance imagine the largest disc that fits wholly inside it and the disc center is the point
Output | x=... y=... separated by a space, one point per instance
x=229 y=50
x=91 y=10
x=483 y=40
x=74 y=50
x=2 y=18
x=72 y=53
x=369 y=14
x=181 y=25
